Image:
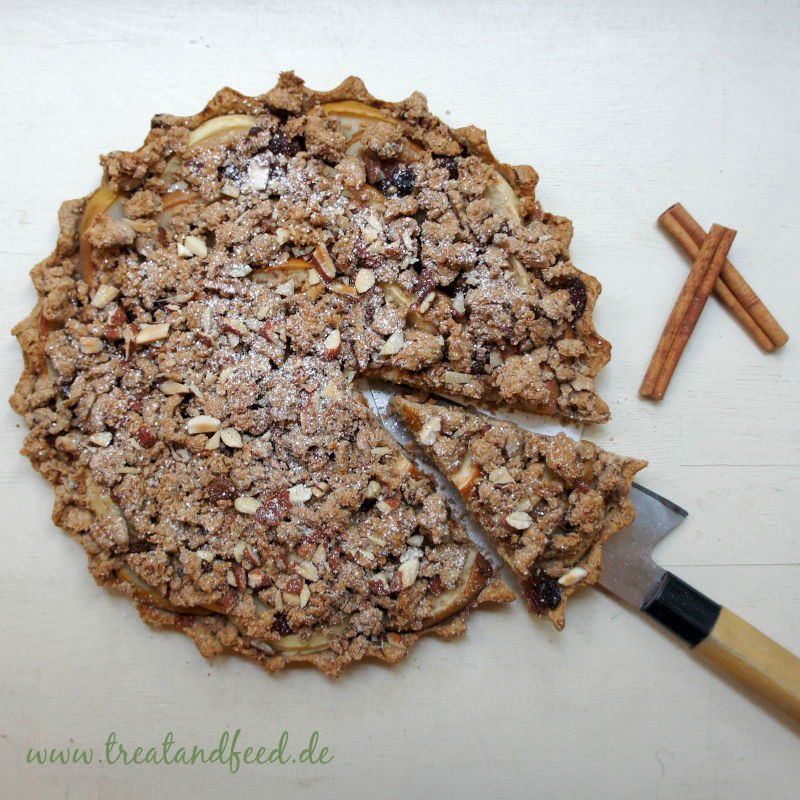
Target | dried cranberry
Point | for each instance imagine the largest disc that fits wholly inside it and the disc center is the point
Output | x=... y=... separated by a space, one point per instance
x=577 y=296
x=435 y=585
x=404 y=180
x=401 y=179
x=282 y=145
x=280 y=624
x=145 y=436
x=542 y=591
x=484 y=566
x=425 y=283
x=274 y=510
x=232 y=172
x=449 y=163
x=220 y=489
x=581 y=487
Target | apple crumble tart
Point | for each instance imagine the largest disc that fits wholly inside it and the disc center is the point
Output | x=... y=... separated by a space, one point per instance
x=547 y=503
x=189 y=365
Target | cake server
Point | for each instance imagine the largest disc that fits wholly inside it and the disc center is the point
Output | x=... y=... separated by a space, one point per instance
x=718 y=635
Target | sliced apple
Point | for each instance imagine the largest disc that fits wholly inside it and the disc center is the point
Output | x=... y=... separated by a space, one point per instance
x=474 y=576
x=293 y=645
x=294 y=265
x=504 y=198
x=172 y=199
x=102 y=200
x=216 y=129
x=352 y=114
x=148 y=594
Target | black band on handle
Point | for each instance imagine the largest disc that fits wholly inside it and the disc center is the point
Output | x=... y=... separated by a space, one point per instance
x=682 y=609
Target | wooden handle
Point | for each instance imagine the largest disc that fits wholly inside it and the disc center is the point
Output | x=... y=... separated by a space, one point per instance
x=742 y=651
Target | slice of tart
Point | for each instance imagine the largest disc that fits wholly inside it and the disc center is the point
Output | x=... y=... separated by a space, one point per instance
x=547 y=503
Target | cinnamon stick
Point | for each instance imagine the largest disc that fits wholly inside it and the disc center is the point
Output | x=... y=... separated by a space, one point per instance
x=731 y=288
x=671 y=225
x=718 y=247
x=690 y=303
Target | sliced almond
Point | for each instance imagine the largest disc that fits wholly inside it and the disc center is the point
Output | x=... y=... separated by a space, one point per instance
x=426 y=302
x=102 y=439
x=373 y=490
x=430 y=430
x=323 y=262
x=104 y=295
x=307 y=570
x=173 y=387
x=501 y=476
x=466 y=476
x=451 y=376
x=344 y=289
x=196 y=246
x=394 y=344
x=238 y=551
x=519 y=520
x=231 y=437
x=332 y=343
x=286 y=289
x=202 y=424
x=408 y=572
x=90 y=345
x=246 y=505
x=305 y=596
x=365 y=280
x=152 y=333
x=213 y=442
x=575 y=575
x=299 y=494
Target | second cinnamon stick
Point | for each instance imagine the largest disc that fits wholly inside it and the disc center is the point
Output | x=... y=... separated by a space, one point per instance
x=718 y=243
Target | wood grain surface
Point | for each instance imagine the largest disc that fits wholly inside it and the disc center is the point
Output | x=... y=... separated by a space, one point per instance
x=623 y=108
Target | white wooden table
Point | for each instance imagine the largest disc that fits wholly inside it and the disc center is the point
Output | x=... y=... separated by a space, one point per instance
x=623 y=110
